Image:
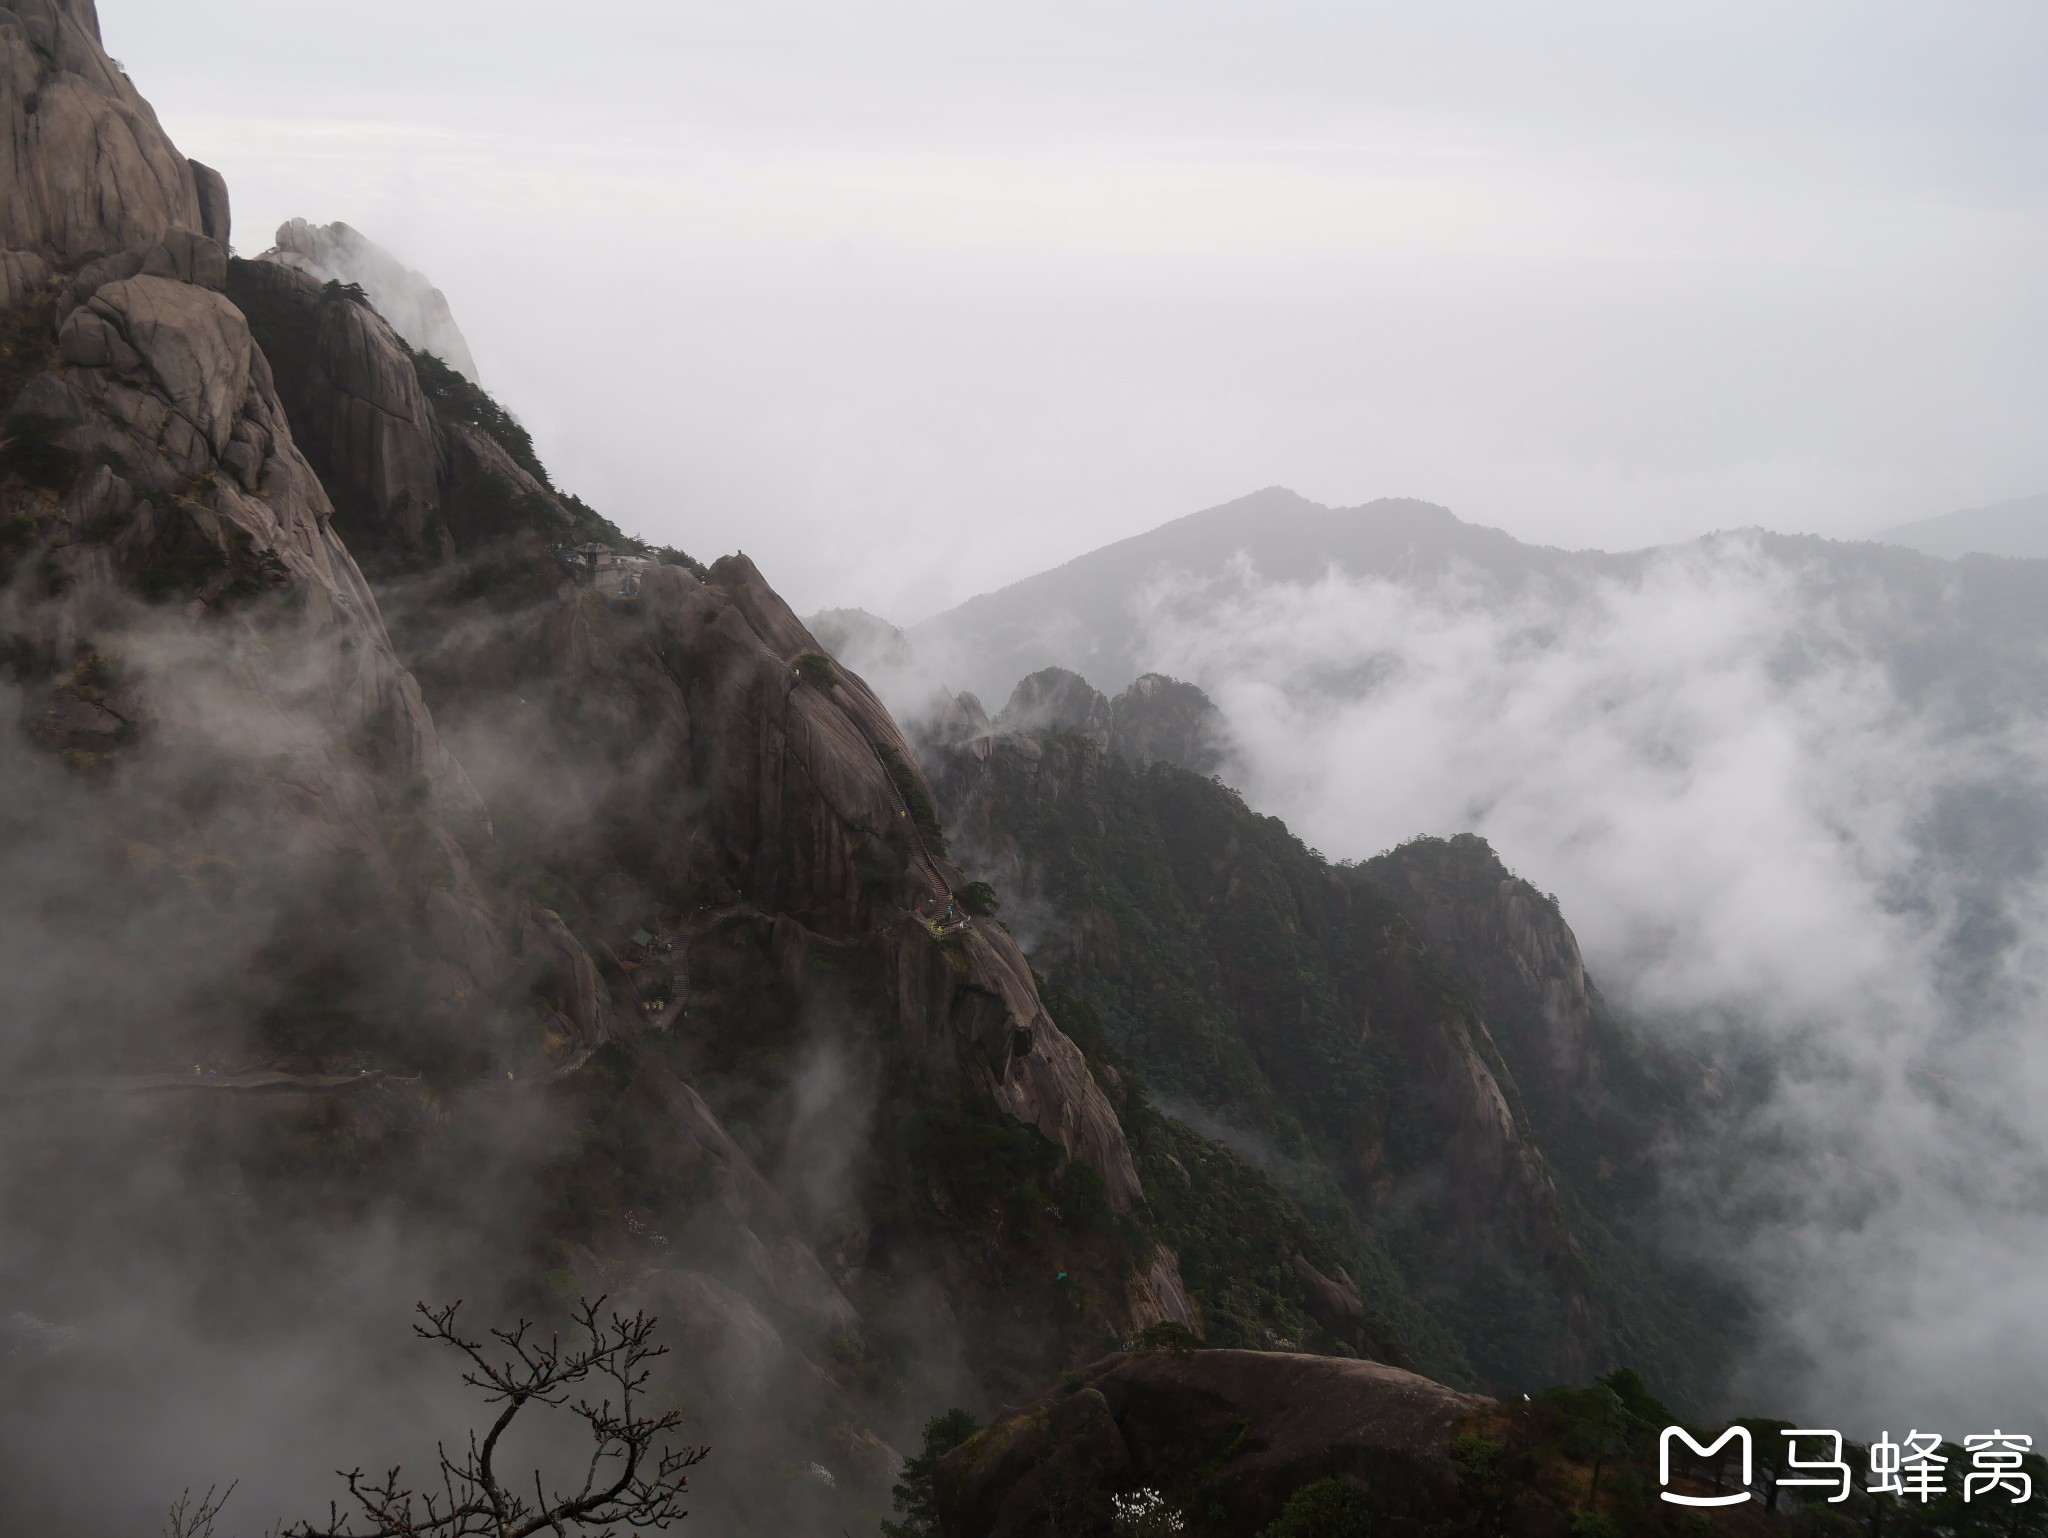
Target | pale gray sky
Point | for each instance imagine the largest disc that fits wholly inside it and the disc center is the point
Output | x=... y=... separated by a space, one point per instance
x=911 y=299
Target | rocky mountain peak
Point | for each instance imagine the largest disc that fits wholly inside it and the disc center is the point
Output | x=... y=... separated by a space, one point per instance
x=414 y=308
x=1165 y=720
x=1056 y=700
x=88 y=169
x=1514 y=945
x=1156 y=719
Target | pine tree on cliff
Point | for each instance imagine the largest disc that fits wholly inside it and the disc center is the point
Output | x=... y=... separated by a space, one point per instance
x=915 y=1502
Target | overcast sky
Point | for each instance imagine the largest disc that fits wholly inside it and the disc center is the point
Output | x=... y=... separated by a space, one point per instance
x=909 y=300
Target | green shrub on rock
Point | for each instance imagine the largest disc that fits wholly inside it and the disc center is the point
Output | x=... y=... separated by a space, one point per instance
x=1329 y=1508
x=978 y=898
x=914 y=1500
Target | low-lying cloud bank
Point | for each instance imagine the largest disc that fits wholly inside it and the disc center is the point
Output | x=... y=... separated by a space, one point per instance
x=1770 y=833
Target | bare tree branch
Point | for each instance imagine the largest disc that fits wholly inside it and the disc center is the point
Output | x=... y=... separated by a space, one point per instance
x=186 y=1520
x=634 y=1476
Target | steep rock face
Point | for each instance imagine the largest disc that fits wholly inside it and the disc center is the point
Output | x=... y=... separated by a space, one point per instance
x=1232 y=1434
x=676 y=757
x=1511 y=944
x=690 y=696
x=237 y=769
x=712 y=775
x=172 y=473
x=367 y=419
x=415 y=480
x=216 y=219
x=151 y=460
x=86 y=167
x=694 y=875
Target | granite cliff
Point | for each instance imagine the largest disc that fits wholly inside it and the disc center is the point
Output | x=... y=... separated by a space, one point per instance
x=584 y=929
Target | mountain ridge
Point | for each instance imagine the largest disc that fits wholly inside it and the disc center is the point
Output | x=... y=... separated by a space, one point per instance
x=1072 y=615
x=2016 y=529
x=1418 y=1031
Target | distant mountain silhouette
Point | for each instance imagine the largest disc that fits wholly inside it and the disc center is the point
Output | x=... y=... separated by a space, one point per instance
x=1080 y=615
x=1971 y=631
x=2016 y=528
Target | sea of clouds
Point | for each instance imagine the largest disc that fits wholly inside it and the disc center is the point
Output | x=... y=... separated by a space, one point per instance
x=1774 y=850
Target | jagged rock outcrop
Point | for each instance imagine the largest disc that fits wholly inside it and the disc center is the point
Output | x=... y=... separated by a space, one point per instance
x=1157 y=719
x=1230 y=1434
x=1164 y=720
x=802 y=795
x=416 y=309
x=410 y=484
x=676 y=755
x=681 y=762
x=86 y=168
x=151 y=461
x=1055 y=700
x=1509 y=941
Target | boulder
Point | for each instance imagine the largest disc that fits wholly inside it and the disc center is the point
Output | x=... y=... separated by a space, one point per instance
x=1233 y=1433
x=193 y=341
x=22 y=273
x=214 y=218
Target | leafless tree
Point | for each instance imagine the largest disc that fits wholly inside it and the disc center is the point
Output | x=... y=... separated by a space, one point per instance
x=634 y=1476
x=187 y=1520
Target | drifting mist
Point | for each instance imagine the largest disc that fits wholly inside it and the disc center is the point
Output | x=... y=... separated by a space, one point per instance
x=1776 y=846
